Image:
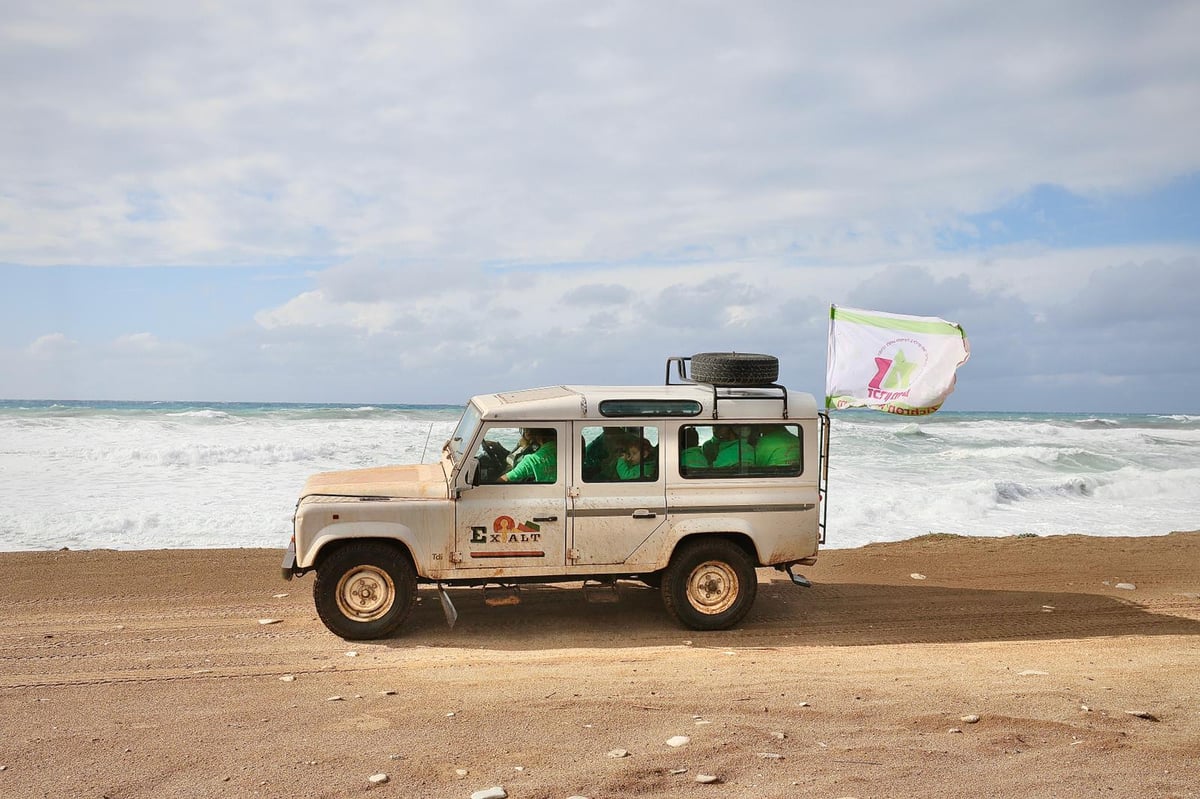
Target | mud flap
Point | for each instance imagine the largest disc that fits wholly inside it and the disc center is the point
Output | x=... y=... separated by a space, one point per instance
x=447 y=607
x=798 y=579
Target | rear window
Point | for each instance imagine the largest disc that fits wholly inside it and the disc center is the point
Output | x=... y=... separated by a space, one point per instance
x=715 y=451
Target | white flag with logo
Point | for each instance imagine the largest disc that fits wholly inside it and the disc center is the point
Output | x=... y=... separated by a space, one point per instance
x=890 y=362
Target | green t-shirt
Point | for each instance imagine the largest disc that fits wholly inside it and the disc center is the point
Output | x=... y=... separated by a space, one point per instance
x=633 y=471
x=537 y=467
x=693 y=458
x=777 y=448
x=733 y=453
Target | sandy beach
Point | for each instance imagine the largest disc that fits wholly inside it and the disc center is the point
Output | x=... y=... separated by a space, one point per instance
x=940 y=666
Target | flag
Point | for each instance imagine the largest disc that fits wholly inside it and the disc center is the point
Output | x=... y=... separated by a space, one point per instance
x=890 y=362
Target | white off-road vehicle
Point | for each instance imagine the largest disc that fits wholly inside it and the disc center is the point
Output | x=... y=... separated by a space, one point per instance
x=686 y=486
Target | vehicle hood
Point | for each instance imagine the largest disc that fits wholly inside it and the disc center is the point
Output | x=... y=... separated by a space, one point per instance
x=426 y=481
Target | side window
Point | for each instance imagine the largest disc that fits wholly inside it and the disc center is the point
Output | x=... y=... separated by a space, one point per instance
x=517 y=455
x=740 y=450
x=618 y=454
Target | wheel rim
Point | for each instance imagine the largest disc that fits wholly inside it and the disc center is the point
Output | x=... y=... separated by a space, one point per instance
x=712 y=587
x=365 y=593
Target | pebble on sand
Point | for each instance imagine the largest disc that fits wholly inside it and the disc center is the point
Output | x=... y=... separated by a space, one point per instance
x=288 y=678
x=336 y=699
x=917 y=576
x=970 y=718
x=1126 y=586
x=678 y=741
x=618 y=753
x=269 y=621
x=491 y=793
x=707 y=779
x=378 y=779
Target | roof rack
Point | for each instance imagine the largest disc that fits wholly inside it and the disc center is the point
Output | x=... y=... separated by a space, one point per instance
x=725 y=390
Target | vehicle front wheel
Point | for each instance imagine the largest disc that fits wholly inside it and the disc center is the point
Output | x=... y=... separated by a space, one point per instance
x=365 y=590
x=710 y=584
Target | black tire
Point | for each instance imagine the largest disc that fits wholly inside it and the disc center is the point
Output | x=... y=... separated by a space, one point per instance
x=710 y=584
x=735 y=368
x=365 y=590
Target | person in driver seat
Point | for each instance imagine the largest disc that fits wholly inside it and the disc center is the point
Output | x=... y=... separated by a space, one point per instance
x=539 y=466
x=525 y=446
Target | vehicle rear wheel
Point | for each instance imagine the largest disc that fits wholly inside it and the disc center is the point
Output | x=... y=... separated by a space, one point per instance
x=365 y=590
x=710 y=584
x=735 y=368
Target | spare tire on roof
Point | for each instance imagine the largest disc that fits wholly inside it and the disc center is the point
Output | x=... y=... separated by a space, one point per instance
x=735 y=368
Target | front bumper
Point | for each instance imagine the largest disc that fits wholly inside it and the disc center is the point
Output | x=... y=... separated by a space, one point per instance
x=289 y=561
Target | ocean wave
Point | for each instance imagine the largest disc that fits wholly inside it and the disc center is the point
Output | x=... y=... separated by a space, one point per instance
x=912 y=429
x=204 y=413
x=259 y=454
x=265 y=454
x=1009 y=492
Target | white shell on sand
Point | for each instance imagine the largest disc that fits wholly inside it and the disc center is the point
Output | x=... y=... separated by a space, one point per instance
x=491 y=793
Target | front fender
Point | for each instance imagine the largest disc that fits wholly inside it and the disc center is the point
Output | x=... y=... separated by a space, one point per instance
x=333 y=533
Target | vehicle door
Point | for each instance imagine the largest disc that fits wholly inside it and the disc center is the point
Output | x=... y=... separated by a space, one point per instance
x=520 y=522
x=618 y=496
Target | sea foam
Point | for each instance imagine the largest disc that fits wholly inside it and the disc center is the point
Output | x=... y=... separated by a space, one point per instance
x=169 y=475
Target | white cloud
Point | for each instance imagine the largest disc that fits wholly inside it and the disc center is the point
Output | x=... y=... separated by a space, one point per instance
x=138 y=344
x=519 y=133
x=52 y=345
x=515 y=193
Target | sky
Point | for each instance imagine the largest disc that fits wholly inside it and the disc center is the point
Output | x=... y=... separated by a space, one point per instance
x=414 y=202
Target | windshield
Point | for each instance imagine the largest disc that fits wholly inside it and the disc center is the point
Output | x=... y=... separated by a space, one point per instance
x=463 y=433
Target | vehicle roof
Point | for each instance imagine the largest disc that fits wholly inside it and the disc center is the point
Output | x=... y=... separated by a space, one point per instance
x=553 y=403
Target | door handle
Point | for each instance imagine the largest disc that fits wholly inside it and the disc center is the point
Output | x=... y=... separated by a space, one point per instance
x=545 y=518
x=644 y=514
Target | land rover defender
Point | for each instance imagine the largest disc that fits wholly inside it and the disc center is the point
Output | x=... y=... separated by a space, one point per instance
x=688 y=486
